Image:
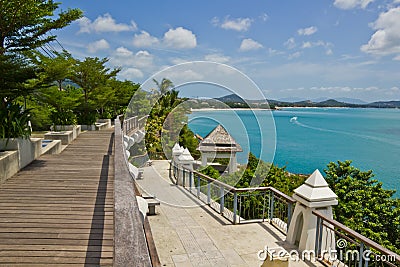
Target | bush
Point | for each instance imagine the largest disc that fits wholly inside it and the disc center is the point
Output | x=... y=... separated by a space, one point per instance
x=14 y=122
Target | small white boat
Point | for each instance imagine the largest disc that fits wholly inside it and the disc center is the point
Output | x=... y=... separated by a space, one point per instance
x=293 y=119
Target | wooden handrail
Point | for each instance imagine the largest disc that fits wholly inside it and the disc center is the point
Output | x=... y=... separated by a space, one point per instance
x=130 y=246
x=354 y=234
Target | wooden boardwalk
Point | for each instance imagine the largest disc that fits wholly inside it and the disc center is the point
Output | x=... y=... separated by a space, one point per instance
x=58 y=211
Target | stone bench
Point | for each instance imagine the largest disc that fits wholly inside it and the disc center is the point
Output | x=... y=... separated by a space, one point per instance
x=101 y=126
x=53 y=147
x=66 y=137
x=152 y=202
x=76 y=129
x=8 y=164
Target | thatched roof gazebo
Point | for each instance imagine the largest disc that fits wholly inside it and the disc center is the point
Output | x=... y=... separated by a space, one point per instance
x=219 y=144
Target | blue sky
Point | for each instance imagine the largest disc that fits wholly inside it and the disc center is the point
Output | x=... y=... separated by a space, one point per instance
x=290 y=49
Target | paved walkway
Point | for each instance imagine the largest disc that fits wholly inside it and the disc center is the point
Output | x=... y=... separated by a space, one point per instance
x=187 y=233
x=58 y=211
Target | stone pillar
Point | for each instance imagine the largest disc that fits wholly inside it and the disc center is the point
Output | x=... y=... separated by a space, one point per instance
x=232 y=163
x=185 y=161
x=314 y=194
x=204 y=157
x=177 y=150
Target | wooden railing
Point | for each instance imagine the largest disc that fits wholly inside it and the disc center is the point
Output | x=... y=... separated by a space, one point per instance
x=130 y=246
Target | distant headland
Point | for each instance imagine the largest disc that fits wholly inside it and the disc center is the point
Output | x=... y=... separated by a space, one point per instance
x=235 y=101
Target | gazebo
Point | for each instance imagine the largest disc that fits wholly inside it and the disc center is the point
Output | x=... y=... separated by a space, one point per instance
x=219 y=144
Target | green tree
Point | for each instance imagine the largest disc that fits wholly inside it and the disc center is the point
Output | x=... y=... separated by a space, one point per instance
x=24 y=25
x=164 y=86
x=52 y=70
x=211 y=172
x=364 y=205
x=62 y=103
x=166 y=122
x=91 y=75
x=15 y=73
x=123 y=92
x=188 y=140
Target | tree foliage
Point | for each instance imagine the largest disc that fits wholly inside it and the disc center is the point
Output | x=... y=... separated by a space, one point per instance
x=364 y=205
x=92 y=76
x=164 y=86
x=24 y=25
x=167 y=121
x=188 y=140
x=52 y=70
x=15 y=71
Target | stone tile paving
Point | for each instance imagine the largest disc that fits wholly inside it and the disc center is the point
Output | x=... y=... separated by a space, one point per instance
x=188 y=233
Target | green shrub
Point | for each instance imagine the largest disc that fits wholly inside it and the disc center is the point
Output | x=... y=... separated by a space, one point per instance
x=14 y=122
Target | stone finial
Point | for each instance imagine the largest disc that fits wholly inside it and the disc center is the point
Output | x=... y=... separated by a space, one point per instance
x=315 y=192
x=177 y=148
x=133 y=170
x=185 y=156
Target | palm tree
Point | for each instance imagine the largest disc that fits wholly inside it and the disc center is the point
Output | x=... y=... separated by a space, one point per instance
x=164 y=86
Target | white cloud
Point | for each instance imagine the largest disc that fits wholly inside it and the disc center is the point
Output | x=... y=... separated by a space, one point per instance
x=144 y=59
x=397 y=58
x=217 y=58
x=250 y=44
x=179 y=75
x=144 y=39
x=333 y=89
x=239 y=24
x=307 y=45
x=290 y=43
x=126 y=58
x=315 y=44
x=123 y=52
x=180 y=38
x=326 y=45
x=386 y=39
x=97 y=46
x=294 y=55
x=307 y=31
x=350 y=4
x=131 y=74
x=274 y=52
x=105 y=23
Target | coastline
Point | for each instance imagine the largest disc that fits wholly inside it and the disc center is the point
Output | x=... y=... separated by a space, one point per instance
x=284 y=108
x=222 y=109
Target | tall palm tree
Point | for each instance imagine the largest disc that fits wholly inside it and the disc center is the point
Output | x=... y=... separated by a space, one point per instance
x=164 y=86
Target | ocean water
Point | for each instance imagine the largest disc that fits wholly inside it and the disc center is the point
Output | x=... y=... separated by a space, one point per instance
x=305 y=139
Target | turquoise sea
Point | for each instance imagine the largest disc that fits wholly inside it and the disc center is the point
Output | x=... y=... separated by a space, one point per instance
x=310 y=138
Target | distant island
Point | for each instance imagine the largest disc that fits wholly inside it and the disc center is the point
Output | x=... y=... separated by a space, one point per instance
x=235 y=101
